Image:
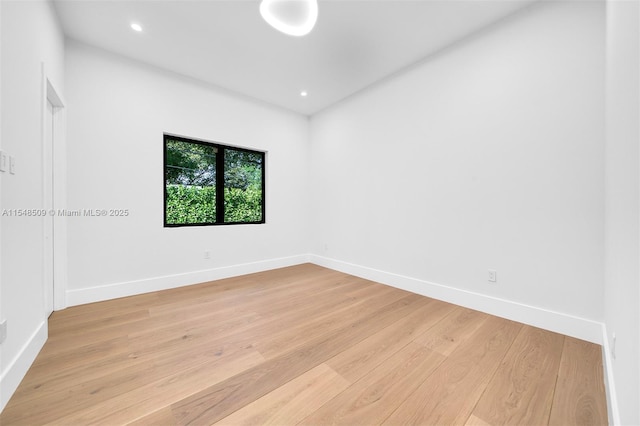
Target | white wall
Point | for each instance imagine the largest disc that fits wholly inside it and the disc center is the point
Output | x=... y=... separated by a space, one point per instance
x=486 y=156
x=30 y=37
x=622 y=186
x=117 y=113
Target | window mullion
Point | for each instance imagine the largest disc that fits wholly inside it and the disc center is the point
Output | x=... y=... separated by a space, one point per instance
x=220 y=185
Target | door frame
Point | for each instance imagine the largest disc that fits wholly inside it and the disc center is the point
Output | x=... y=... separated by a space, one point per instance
x=50 y=93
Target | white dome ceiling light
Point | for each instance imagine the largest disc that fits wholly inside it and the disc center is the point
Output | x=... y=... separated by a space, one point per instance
x=293 y=17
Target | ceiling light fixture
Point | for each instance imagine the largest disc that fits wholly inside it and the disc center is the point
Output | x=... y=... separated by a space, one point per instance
x=293 y=17
x=303 y=93
x=136 y=27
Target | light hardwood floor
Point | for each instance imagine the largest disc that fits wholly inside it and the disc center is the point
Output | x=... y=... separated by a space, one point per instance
x=303 y=345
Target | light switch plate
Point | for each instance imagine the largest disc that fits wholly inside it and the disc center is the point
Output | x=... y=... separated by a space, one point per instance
x=3 y=161
x=12 y=164
x=3 y=331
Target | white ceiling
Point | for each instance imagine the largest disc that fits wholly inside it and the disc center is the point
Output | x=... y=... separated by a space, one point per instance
x=226 y=43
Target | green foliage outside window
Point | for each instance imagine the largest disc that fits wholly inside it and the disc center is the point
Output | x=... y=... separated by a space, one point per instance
x=191 y=204
x=191 y=184
x=243 y=205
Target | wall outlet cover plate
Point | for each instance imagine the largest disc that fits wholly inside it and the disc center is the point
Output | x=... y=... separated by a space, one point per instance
x=3 y=161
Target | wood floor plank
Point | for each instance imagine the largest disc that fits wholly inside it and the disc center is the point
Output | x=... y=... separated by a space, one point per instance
x=154 y=327
x=219 y=401
x=124 y=352
x=241 y=337
x=293 y=401
x=211 y=297
x=521 y=391
x=360 y=304
x=335 y=290
x=363 y=357
x=288 y=277
x=305 y=345
x=97 y=355
x=188 y=332
x=104 y=309
x=251 y=297
x=373 y=398
x=454 y=329
x=144 y=400
x=163 y=417
x=449 y=395
x=149 y=334
x=150 y=348
x=75 y=327
x=52 y=404
x=59 y=400
x=64 y=344
x=476 y=421
x=58 y=372
x=278 y=315
x=579 y=397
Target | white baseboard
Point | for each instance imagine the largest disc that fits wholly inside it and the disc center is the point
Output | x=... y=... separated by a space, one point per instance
x=18 y=367
x=131 y=288
x=569 y=325
x=609 y=383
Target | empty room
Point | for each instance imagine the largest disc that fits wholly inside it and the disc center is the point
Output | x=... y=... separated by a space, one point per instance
x=310 y=212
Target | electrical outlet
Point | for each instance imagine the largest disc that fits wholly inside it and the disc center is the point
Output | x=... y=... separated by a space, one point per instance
x=207 y=254
x=3 y=331
x=12 y=164
x=493 y=277
x=3 y=161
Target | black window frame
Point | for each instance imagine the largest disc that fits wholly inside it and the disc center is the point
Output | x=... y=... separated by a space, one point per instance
x=220 y=184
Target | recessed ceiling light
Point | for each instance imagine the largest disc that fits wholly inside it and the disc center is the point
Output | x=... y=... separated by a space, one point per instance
x=303 y=93
x=293 y=17
x=136 y=27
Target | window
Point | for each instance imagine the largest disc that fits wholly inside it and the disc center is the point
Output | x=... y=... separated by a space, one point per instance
x=211 y=184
